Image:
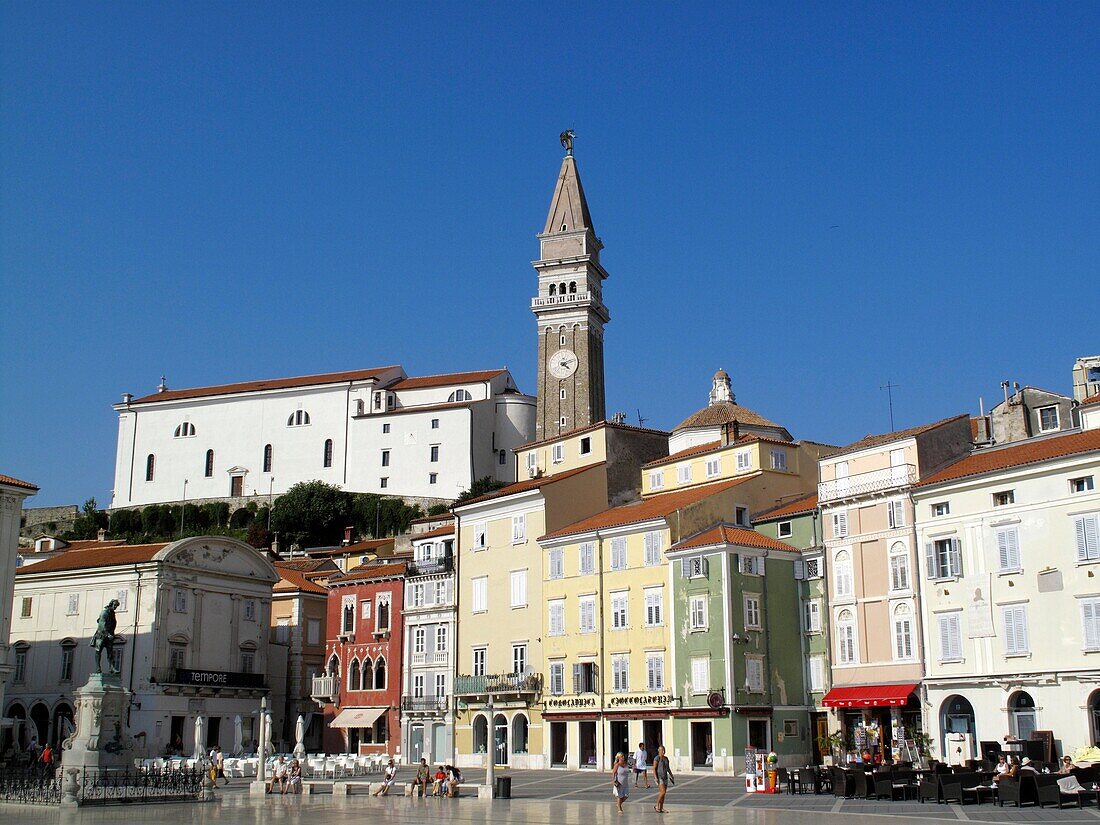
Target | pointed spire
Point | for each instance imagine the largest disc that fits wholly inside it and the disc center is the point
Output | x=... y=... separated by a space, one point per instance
x=568 y=207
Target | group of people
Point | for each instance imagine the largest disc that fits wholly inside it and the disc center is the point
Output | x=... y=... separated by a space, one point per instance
x=287 y=775
x=444 y=781
x=1012 y=765
x=621 y=771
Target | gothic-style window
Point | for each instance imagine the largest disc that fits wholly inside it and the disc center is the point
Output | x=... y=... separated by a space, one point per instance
x=333 y=665
x=208 y=471
x=353 y=675
x=328 y=452
x=380 y=674
x=268 y=457
x=561 y=287
x=572 y=287
x=366 y=681
x=150 y=466
x=553 y=289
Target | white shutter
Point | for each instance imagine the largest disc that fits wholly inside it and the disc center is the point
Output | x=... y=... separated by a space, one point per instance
x=1015 y=621
x=1087 y=530
x=840 y=524
x=1008 y=548
x=557 y=570
x=1090 y=621
x=799 y=569
x=930 y=560
x=817 y=673
x=955 y=559
x=652 y=548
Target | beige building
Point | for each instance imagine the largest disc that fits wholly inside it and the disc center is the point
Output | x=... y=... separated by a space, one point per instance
x=299 y=605
x=870 y=549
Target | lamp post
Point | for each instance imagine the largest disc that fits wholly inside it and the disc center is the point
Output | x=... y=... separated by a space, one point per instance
x=259 y=787
x=490 y=745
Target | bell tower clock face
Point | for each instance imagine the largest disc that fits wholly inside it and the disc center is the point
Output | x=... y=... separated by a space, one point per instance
x=562 y=363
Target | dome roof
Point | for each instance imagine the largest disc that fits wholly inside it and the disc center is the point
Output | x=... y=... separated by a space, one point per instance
x=725 y=412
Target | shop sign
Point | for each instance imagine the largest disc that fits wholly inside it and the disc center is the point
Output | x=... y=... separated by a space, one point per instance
x=572 y=702
x=641 y=700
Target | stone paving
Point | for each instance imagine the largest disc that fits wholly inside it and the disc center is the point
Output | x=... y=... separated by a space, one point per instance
x=545 y=798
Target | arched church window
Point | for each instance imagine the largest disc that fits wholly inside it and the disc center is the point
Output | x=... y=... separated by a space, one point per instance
x=184 y=430
x=150 y=466
x=298 y=418
x=460 y=395
x=328 y=452
x=208 y=470
x=269 y=456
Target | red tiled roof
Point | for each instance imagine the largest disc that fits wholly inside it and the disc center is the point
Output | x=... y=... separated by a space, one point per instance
x=581 y=430
x=725 y=412
x=364 y=546
x=268 y=384
x=445 y=530
x=99 y=556
x=424 y=381
x=730 y=534
x=84 y=544
x=372 y=570
x=792 y=508
x=306 y=565
x=885 y=438
x=653 y=507
x=1092 y=399
x=1030 y=451
x=15 y=482
x=685 y=453
x=291 y=580
x=529 y=484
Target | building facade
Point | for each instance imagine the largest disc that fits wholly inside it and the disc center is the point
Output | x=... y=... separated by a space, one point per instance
x=368 y=431
x=13 y=492
x=360 y=691
x=195 y=616
x=874 y=599
x=299 y=613
x=427 y=710
x=1011 y=545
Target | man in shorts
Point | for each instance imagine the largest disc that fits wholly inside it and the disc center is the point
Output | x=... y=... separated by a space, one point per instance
x=640 y=759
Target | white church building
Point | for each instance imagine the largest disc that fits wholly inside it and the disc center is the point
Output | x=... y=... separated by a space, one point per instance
x=367 y=431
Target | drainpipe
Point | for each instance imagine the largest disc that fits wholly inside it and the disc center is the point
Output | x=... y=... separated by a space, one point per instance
x=767 y=635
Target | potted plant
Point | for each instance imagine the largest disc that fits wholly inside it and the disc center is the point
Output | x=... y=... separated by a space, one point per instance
x=829 y=745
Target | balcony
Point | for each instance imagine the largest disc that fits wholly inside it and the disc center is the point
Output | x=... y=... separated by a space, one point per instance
x=425 y=704
x=500 y=683
x=432 y=658
x=325 y=689
x=179 y=677
x=443 y=564
x=860 y=484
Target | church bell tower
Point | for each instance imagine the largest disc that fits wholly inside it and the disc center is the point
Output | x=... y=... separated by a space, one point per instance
x=569 y=309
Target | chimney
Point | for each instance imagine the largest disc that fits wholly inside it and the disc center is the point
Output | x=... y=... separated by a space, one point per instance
x=127 y=397
x=101 y=534
x=347 y=536
x=727 y=430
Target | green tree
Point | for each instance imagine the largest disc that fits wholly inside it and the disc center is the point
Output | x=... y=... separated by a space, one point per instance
x=88 y=523
x=438 y=509
x=480 y=487
x=311 y=513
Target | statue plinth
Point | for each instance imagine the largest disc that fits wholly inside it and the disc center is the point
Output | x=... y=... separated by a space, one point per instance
x=102 y=740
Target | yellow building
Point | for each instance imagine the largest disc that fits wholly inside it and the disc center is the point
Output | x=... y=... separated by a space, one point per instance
x=607 y=597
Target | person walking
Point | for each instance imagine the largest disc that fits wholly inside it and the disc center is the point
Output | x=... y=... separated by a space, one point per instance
x=219 y=764
x=662 y=772
x=640 y=767
x=620 y=780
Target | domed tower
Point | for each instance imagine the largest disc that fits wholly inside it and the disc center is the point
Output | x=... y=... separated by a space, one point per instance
x=722 y=419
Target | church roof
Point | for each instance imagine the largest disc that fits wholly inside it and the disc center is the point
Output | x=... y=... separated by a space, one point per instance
x=725 y=412
x=568 y=206
x=98 y=556
x=268 y=384
x=446 y=379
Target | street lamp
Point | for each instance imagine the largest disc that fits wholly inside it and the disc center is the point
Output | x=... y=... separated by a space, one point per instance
x=490 y=735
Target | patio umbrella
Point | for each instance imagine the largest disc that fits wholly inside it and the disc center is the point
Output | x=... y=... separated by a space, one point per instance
x=199 y=724
x=238 y=736
x=300 y=737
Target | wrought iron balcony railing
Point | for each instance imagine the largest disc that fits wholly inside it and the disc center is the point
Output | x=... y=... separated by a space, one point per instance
x=444 y=564
x=870 y=482
x=425 y=703
x=497 y=683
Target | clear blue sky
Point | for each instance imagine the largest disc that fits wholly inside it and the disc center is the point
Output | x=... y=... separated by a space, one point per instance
x=816 y=197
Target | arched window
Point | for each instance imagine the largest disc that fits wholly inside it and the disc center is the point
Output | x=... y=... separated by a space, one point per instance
x=1021 y=708
x=328 y=452
x=353 y=675
x=553 y=289
x=481 y=733
x=382 y=616
x=269 y=456
x=519 y=734
x=572 y=287
x=380 y=673
x=842 y=575
x=298 y=418
x=460 y=395
x=561 y=287
x=899 y=566
x=150 y=466
x=845 y=638
x=185 y=430
x=903 y=632
x=68 y=650
x=208 y=471
x=366 y=681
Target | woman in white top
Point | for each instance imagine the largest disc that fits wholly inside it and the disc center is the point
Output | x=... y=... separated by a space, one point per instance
x=620 y=781
x=640 y=758
x=388 y=780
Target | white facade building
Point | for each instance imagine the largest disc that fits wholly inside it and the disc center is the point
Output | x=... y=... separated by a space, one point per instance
x=12 y=493
x=427 y=710
x=368 y=431
x=196 y=620
x=1010 y=589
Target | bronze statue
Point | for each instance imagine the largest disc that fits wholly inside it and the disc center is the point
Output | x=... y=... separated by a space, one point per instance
x=105 y=638
x=566 y=139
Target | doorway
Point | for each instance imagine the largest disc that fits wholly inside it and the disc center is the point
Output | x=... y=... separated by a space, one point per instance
x=760 y=734
x=441 y=751
x=619 y=739
x=588 y=744
x=653 y=734
x=40 y=729
x=819 y=724
x=176 y=735
x=1021 y=707
x=1094 y=716
x=500 y=739
x=236 y=486
x=702 y=741
x=416 y=743
x=63 y=725
x=558 y=744
x=957 y=716
x=214 y=732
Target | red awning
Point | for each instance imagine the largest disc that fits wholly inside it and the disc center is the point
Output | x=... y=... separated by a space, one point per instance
x=868 y=696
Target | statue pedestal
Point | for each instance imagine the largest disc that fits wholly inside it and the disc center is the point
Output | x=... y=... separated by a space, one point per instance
x=102 y=739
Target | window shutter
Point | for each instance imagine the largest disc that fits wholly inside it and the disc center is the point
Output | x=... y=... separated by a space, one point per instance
x=1089 y=621
x=945 y=638
x=930 y=559
x=704 y=566
x=1087 y=529
x=799 y=569
x=685 y=569
x=955 y=558
x=1011 y=639
x=576 y=678
x=1002 y=549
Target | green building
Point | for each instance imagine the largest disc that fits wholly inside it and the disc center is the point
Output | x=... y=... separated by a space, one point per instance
x=737 y=650
x=798 y=523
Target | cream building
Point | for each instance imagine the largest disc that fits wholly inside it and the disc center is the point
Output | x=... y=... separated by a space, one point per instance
x=874 y=599
x=12 y=493
x=299 y=605
x=195 y=616
x=1010 y=552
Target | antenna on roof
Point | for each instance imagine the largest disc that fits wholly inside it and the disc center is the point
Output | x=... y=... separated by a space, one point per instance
x=641 y=421
x=889 y=387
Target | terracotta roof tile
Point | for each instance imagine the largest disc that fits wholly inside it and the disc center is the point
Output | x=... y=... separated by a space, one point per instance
x=425 y=381
x=799 y=506
x=15 y=482
x=445 y=530
x=1092 y=399
x=1031 y=451
x=304 y=565
x=730 y=534
x=653 y=507
x=291 y=580
x=365 y=546
x=885 y=438
x=611 y=425
x=87 y=544
x=268 y=384
x=724 y=412
x=365 y=572
x=94 y=557
x=685 y=453
x=529 y=484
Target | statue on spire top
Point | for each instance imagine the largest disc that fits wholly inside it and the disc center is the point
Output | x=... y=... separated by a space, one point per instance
x=566 y=139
